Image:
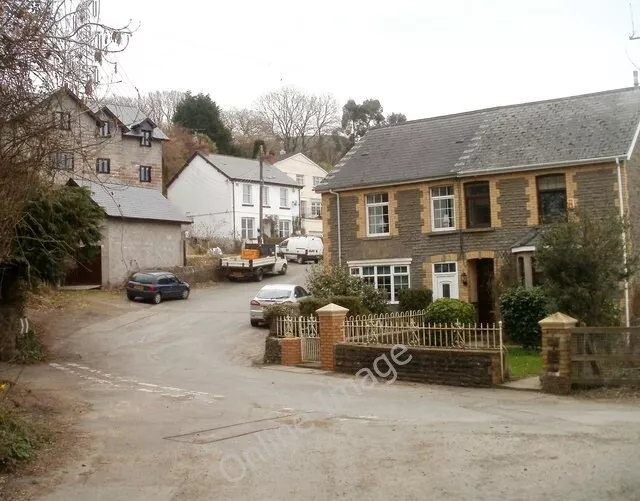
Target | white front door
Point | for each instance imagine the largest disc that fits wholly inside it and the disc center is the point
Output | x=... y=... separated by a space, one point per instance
x=445 y=280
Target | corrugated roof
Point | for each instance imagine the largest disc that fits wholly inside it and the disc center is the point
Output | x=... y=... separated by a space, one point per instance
x=571 y=129
x=131 y=117
x=120 y=200
x=248 y=169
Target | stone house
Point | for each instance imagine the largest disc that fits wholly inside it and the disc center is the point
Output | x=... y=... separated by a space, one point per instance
x=116 y=151
x=444 y=202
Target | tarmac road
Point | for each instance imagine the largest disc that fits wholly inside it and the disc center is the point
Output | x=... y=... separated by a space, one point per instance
x=179 y=411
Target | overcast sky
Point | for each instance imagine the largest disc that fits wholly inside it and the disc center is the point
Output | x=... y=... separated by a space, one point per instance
x=419 y=57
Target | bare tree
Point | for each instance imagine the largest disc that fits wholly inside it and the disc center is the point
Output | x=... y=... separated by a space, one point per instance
x=40 y=49
x=293 y=116
x=159 y=105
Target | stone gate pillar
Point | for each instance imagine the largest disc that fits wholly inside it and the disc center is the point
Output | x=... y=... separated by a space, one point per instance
x=331 y=332
x=556 y=353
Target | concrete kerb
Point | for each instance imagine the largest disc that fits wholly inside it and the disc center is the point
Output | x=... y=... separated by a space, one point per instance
x=331 y=402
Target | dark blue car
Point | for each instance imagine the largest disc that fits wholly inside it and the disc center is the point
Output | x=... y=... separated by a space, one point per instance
x=156 y=286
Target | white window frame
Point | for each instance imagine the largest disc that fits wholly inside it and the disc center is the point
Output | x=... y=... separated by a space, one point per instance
x=435 y=198
x=105 y=129
x=282 y=233
x=285 y=192
x=265 y=196
x=317 y=180
x=63 y=161
x=374 y=205
x=247 y=228
x=145 y=140
x=356 y=268
x=316 y=208
x=103 y=166
x=247 y=194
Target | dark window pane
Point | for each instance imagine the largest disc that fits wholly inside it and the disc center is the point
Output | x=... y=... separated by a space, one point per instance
x=553 y=206
x=446 y=290
x=478 y=205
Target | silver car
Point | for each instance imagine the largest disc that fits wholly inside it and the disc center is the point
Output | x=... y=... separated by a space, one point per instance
x=273 y=294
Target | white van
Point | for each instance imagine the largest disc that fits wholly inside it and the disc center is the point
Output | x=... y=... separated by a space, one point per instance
x=302 y=249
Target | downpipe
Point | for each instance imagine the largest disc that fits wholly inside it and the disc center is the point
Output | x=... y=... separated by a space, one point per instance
x=339 y=232
x=624 y=246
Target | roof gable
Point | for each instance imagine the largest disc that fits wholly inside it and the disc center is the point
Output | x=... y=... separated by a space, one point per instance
x=241 y=169
x=133 y=120
x=301 y=157
x=577 y=129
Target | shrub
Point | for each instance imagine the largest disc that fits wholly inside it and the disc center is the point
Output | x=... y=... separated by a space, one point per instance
x=330 y=281
x=308 y=306
x=19 y=439
x=450 y=311
x=280 y=310
x=414 y=299
x=521 y=310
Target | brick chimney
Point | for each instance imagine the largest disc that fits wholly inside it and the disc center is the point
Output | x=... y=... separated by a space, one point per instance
x=269 y=157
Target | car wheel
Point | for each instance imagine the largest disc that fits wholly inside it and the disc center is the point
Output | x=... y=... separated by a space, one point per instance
x=255 y=323
x=185 y=294
x=259 y=275
x=283 y=271
x=157 y=299
x=300 y=260
x=130 y=297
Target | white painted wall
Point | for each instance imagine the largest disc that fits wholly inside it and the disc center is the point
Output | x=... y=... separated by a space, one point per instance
x=300 y=164
x=206 y=196
x=272 y=208
x=215 y=203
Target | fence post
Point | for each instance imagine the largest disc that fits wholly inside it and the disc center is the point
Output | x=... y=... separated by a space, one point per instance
x=331 y=331
x=556 y=353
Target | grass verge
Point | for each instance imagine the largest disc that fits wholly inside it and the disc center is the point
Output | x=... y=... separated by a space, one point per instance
x=29 y=349
x=523 y=362
x=20 y=438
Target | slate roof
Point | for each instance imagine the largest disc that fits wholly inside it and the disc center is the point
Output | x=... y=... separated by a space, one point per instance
x=248 y=169
x=529 y=239
x=132 y=202
x=131 y=117
x=566 y=130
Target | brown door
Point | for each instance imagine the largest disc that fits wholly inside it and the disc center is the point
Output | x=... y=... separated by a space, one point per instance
x=88 y=269
x=485 y=272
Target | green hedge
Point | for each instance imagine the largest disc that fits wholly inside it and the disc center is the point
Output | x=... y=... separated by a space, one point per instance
x=280 y=310
x=521 y=310
x=449 y=311
x=414 y=299
x=308 y=306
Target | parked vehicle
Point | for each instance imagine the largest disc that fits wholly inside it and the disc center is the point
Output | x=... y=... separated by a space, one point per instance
x=302 y=249
x=156 y=286
x=255 y=261
x=273 y=294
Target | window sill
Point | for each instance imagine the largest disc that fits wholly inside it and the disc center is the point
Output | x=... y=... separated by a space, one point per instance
x=286 y=208
x=378 y=237
x=247 y=205
x=479 y=230
x=443 y=232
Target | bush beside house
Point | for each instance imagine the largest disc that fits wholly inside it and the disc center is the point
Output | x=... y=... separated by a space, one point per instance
x=414 y=299
x=521 y=310
x=449 y=311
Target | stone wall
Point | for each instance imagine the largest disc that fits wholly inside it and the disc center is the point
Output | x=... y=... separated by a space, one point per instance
x=199 y=274
x=514 y=211
x=454 y=367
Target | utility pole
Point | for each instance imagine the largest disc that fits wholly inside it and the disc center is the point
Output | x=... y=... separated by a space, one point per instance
x=261 y=236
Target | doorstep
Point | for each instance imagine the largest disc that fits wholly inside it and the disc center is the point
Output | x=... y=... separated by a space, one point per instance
x=525 y=384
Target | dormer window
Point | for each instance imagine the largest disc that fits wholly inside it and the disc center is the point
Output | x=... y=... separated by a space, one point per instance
x=62 y=120
x=145 y=140
x=105 y=129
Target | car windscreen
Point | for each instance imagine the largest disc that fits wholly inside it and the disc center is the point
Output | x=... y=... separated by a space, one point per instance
x=143 y=278
x=274 y=294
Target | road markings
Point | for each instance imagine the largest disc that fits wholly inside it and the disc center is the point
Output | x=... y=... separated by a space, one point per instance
x=166 y=391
